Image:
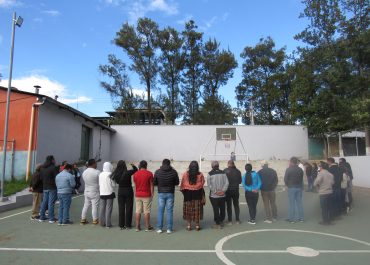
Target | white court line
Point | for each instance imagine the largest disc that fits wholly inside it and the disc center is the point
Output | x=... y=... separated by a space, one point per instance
x=171 y=251
x=12 y=215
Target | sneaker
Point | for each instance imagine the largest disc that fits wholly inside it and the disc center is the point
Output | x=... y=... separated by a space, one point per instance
x=149 y=229
x=169 y=231
x=290 y=221
x=301 y=220
x=252 y=222
x=52 y=221
x=267 y=221
x=159 y=231
x=35 y=218
x=238 y=222
x=229 y=223
x=137 y=229
x=42 y=220
x=83 y=222
x=95 y=222
x=216 y=226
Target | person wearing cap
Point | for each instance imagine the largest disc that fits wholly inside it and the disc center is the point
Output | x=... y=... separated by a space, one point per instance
x=269 y=181
x=218 y=183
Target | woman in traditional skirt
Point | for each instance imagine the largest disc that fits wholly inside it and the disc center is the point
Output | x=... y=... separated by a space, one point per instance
x=192 y=188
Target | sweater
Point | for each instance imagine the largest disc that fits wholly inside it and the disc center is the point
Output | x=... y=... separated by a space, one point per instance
x=65 y=182
x=338 y=175
x=91 y=179
x=234 y=176
x=269 y=179
x=125 y=182
x=217 y=181
x=324 y=182
x=256 y=182
x=293 y=177
x=185 y=184
x=166 y=178
x=106 y=184
x=48 y=173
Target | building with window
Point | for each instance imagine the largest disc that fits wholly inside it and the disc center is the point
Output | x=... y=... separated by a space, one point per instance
x=41 y=126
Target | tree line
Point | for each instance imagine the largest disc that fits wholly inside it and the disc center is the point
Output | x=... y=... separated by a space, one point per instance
x=324 y=84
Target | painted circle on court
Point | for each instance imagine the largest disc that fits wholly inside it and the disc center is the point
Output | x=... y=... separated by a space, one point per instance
x=298 y=251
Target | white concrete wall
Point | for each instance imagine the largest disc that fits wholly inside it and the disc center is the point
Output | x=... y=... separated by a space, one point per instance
x=360 y=168
x=186 y=143
x=59 y=134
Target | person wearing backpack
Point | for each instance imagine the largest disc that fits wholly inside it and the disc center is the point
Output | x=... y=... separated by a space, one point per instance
x=252 y=184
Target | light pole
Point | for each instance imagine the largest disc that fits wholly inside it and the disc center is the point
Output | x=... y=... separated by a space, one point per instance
x=15 y=22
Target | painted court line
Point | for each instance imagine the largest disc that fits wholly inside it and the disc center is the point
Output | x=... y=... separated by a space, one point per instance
x=170 y=251
x=12 y=215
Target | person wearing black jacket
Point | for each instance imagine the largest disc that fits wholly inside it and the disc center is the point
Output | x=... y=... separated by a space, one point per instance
x=166 y=178
x=269 y=181
x=37 y=191
x=337 y=201
x=48 y=173
x=122 y=176
x=293 y=179
x=234 y=177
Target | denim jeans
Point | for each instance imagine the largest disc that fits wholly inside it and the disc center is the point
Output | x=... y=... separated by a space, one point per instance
x=165 y=201
x=65 y=200
x=295 y=204
x=48 y=201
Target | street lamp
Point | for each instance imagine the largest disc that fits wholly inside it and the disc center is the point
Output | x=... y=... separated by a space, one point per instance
x=15 y=22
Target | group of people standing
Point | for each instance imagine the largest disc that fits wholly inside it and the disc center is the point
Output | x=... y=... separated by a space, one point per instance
x=223 y=185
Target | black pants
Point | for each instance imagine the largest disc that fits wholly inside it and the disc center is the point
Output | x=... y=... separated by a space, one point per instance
x=325 y=203
x=218 y=205
x=252 y=200
x=336 y=202
x=232 y=196
x=125 y=207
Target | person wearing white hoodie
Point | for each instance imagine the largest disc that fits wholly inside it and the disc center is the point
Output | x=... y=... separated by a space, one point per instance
x=107 y=195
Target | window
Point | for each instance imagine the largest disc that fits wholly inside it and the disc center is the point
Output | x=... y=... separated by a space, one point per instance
x=85 y=143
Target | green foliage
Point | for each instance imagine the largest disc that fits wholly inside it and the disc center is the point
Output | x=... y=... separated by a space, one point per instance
x=172 y=60
x=140 y=44
x=191 y=79
x=216 y=111
x=264 y=82
x=14 y=186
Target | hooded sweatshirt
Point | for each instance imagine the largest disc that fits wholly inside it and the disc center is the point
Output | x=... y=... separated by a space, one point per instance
x=106 y=184
x=166 y=178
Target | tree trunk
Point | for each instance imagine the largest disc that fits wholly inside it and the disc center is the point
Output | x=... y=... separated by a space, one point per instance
x=149 y=103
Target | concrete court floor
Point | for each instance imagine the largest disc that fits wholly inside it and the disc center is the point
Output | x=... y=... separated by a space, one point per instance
x=347 y=242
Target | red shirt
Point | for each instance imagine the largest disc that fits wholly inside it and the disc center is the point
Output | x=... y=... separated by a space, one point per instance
x=143 y=179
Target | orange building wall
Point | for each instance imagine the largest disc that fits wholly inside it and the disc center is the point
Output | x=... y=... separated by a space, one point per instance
x=19 y=119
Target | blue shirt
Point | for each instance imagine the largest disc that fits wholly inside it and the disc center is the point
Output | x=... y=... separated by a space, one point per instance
x=256 y=182
x=65 y=182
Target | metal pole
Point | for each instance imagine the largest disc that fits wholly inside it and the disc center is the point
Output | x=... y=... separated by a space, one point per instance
x=7 y=106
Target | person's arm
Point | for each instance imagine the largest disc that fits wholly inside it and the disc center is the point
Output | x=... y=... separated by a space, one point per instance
x=286 y=176
x=177 y=180
x=247 y=188
x=182 y=181
x=226 y=184
x=72 y=181
x=318 y=180
x=259 y=183
x=152 y=187
x=209 y=182
x=155 y=181
x=239 y=177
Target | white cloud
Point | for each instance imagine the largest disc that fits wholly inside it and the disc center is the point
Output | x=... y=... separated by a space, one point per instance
x=139 y=92
x=53 y=13
x=114 y=2
x=208 y=23
x=49 y=88
x=10 y=3
x=162 y=5
x=37 y=19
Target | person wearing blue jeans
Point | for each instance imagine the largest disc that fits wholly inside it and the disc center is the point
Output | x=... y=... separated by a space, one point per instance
x=294 y=181
x=48 y=173
x=48 y=202
x=165 y=201
x=295 y=204
x=166 y=178
x=65 y=183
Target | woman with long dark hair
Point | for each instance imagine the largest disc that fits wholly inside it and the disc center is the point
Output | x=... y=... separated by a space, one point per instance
x=192 y=188
x=122 y=176
x=252 y=184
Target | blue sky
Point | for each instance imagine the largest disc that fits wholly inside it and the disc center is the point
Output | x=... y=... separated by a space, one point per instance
x=61 y=43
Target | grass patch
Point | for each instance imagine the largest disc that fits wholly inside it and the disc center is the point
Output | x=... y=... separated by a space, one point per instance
x=13 y=186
